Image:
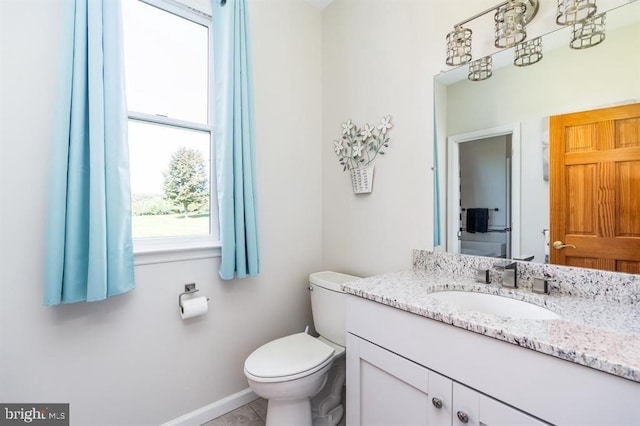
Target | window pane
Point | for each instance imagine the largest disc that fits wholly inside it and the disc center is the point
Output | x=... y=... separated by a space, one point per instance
x=170 y=170
x=166 y=63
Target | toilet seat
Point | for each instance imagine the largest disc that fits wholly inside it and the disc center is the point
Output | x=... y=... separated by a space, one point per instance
x=288 y=358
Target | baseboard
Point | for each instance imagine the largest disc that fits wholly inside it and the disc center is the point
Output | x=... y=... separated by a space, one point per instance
x=215 y=409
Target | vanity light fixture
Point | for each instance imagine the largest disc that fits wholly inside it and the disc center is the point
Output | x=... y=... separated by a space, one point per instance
x=458 y=46
x=588 y=33
x=510 y=24
x=573 y=11
x=510 y=18
x=528 y=52
x=480 y=69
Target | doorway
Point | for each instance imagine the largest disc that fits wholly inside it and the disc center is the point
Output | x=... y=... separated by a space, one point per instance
x=483 y=207
x=485 y=204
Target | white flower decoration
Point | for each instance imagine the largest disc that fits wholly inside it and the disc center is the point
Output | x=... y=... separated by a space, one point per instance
x=367 y=132
x=358 y=147
x=346 y=127
x=385 y=124
x=357 y=150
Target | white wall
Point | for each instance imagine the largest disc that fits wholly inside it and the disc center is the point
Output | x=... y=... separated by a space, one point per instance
x=379 y=58
x=564 y=81
x=130 y=359
x=376 y=62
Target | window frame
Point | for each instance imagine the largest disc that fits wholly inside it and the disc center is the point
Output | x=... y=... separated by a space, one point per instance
x=170 y=249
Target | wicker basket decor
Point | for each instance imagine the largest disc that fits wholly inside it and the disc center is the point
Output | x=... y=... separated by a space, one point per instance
x=362 y=179
x=358 y=147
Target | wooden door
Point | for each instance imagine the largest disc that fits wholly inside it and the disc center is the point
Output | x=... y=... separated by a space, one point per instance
x=595 y=188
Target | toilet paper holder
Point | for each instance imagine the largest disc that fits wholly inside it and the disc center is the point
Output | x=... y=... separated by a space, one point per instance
x=188 y=289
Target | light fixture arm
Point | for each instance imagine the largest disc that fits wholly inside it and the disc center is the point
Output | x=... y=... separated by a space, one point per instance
x=532 y=10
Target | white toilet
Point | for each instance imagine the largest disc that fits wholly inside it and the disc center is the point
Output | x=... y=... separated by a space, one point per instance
x=302 y=376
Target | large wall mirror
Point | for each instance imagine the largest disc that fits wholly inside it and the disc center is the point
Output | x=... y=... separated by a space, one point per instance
x=493 y=135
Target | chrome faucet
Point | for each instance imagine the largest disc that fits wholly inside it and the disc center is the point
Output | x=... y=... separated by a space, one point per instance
x=509 y=270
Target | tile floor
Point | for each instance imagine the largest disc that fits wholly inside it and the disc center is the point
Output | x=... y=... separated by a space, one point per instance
x=252 y=414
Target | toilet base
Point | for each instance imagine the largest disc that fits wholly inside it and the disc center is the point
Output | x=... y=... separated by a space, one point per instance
x=289 y=412
x=326 y=406
x=290 y=401
x=332 y=418
x=324 y=409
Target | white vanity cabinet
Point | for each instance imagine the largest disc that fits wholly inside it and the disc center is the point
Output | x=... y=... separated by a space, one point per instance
x=391 y=390
x=386 y=389
x=398 y=362
x=473 y=408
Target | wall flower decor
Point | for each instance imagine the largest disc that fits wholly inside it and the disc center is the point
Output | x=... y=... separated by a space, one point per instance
x=358 y=147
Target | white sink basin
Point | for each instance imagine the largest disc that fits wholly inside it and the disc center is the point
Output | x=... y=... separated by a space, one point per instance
x=492 y=304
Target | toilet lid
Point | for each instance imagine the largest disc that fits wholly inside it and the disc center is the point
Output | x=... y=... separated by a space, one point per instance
x=288 y=356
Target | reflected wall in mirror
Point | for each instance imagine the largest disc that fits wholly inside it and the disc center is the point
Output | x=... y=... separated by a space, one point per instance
x=565 y=81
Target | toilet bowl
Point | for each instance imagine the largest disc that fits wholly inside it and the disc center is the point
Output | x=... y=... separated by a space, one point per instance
x=302 y=376
x=288 y=372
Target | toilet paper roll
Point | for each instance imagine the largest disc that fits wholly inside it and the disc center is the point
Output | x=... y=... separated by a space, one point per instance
x=194 y=307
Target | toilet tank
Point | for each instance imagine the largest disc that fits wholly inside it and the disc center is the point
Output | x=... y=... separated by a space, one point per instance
x=328 y=304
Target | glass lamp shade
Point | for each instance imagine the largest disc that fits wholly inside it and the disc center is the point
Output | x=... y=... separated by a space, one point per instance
x=510 y=24
x=573 y=11
x=528 y=52
x=458 y=46
x=588 y=33
x=480 y=69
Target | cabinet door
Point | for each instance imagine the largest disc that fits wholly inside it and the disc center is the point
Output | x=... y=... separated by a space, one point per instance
x=385 y=389
x=466 y=406
x=495 y=413
x=440 y=407
x=471 y=408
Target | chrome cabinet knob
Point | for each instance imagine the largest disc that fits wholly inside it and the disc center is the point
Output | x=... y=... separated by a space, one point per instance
x=558 y=245
x=310 y=288
x=463 y=417
x=437 y=402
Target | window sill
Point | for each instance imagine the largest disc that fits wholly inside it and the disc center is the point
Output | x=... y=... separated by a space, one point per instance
x=146 y=253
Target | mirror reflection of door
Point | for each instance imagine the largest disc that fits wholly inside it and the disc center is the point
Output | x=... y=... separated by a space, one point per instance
x=485 y=187
x=595 y=189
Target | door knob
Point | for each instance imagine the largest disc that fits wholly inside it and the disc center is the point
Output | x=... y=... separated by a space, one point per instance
x=560 y=245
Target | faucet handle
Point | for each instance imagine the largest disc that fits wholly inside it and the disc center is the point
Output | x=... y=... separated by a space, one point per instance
x=483 y=275
x=509 y=270
x=541 y=284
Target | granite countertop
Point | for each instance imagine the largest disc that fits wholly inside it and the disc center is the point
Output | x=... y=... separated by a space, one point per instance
x=601 y=334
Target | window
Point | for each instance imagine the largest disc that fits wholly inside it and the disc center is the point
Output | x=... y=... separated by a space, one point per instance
x=169 y=95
